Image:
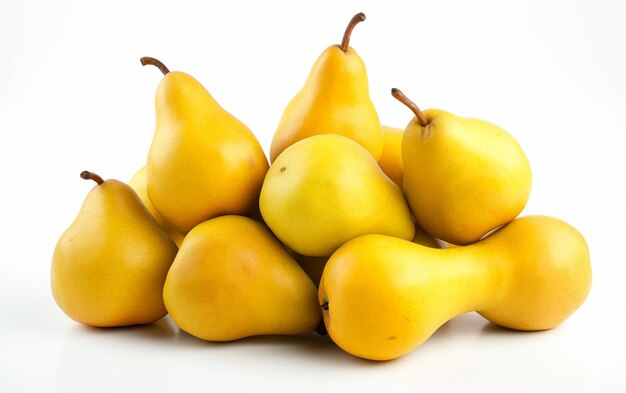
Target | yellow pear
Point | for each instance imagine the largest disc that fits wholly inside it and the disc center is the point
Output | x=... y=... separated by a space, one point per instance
x=390 y=160
x=232 y=279
x=327 y=189
x=109 y=266
x=138 y=183
x=334 y=100
x=462 y=177
x=382 y=296
x=203 y=162
x=391 y=163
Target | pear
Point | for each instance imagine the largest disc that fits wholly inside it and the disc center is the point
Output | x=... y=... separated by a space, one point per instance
x=233 y=279
x=327 y=189
x=334 y=100
x=138 y=183
x=382 y=296
x=391 y=163
x=109 y=266
x=202 y=162
x=390 y=160
x=463 y=177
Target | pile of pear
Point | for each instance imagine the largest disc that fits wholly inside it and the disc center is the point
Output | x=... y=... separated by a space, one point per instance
x=375 y=235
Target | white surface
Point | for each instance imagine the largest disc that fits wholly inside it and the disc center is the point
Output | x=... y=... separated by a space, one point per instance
x=73 y=96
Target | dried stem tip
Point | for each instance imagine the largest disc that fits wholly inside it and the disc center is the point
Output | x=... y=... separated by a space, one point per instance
x=345 y=42
x=91 y=176
x=152 y=61
x=398 y=95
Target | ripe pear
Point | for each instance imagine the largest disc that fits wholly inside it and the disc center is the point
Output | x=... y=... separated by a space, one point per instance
x=334 y=100
x=138 y=183
x=232 y=279
x=463 y=177
x=327 y=189
x=110 y=265
x=390 y=160
x=382 y=297
x=202 y=162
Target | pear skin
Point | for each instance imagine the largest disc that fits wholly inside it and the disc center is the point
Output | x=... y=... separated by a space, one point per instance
x=335 y=99
x=233 y=279
x=463 y=177
x=327 y=189
x=109 y=266
x=390 y=160
x=391 y=163
x=203 y=162
x=383 y=297
x=138 y=183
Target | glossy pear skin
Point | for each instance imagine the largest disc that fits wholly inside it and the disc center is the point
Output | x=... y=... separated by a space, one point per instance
x=463 y=177
x=327 y=189
x=109 y=266
x=334 y=100
x=203 y=162
x=232 y=279
x=138 y=183
x=390 y=160
x=386 y=296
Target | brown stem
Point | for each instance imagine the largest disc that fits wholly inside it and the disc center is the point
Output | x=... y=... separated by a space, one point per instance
x=360 y=17
x=152 y=61
x=398 y=95
x=324 y=306
x=91 y=176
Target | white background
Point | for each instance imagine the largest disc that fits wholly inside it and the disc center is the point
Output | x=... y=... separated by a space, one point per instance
x=73 y=97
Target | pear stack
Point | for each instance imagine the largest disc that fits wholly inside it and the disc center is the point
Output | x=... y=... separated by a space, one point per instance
x=372 y=234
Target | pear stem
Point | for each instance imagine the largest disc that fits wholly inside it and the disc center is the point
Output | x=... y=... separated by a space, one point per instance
x=360 y=17
x=324 y=306
x=91 y=176
x=152 y=61
x=398 y=95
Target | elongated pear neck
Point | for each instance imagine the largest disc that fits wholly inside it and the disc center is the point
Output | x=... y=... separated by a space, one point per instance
x=399 y=95
x=157 y=63
x=335 y=74
x=487 y=276
x=91 y=176
x=356 y=19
